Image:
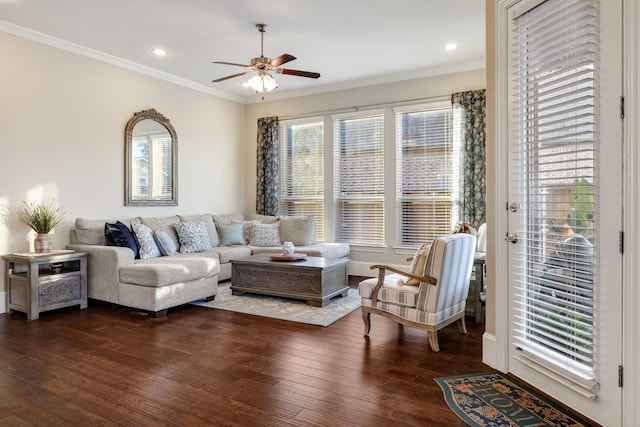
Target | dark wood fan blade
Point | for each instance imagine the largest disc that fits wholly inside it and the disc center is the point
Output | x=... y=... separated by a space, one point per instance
x=282 y=59
x=230 y=77
x=309 y=74
x=231 y=63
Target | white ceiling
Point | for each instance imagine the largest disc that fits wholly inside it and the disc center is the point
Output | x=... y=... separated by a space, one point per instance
x=350 y=43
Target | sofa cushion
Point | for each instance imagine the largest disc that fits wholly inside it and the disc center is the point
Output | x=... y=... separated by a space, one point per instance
x=265 y=219
x=144 y=236
x=164 y=242
x=118 y=234
x=193 y=237
x=231 y=234
x=91 y=231
x=165 y=271
x=227 y=219
x=164 y=223
x=264 y=234
x=393 y=291
x=207 y=220
x=227 y=253
x=299 y=230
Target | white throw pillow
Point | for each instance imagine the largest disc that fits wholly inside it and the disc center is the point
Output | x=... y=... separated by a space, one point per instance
x=299 y=230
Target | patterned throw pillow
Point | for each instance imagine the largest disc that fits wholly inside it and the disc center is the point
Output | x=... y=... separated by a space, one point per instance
x=418 y=262
x=193 y=237
x=148 y=247
x=265 y=235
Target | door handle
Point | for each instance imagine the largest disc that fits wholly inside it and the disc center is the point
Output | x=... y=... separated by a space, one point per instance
x=511 y=237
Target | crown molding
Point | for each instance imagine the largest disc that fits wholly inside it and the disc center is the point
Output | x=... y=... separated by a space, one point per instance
x=56 y=42
x=471 y=65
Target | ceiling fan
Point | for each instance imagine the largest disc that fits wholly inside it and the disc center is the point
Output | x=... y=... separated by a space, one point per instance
x=263 y=66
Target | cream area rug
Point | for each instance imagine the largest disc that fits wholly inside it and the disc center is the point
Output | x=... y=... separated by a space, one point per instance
x=284 y=308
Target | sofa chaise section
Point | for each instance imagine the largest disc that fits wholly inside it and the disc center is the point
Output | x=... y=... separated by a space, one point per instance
x=155 y=285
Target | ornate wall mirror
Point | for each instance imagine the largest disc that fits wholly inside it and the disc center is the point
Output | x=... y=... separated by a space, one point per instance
x=151 y=160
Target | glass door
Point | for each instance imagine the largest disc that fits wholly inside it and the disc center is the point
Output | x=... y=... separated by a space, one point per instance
x=565 y=202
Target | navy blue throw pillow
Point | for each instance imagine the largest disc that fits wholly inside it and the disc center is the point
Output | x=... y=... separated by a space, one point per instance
x=118 y=234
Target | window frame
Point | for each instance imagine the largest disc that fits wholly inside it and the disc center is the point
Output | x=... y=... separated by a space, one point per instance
x=288 y=197
x=370 y=206
x=450 y=196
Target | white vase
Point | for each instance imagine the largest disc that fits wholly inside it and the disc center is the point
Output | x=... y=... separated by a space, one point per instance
x=288 y=248
x=43 y=243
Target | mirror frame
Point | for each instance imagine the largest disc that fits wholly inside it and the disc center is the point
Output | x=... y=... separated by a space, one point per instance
x=150 y=114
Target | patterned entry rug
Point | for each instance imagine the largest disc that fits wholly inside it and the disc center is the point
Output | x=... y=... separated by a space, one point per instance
x=494 y=399
x=284 y=308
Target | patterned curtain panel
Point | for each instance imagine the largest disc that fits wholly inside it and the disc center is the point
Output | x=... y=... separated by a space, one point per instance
x=474 y=158
x=267 y=186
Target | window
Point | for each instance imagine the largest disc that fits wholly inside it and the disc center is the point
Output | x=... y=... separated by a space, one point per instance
x=427 y=174
x=358 y=146
x=302 y=170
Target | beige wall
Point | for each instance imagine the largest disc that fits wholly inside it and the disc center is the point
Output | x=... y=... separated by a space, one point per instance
x=384 y=94
x=490 y=7
x=62 y=119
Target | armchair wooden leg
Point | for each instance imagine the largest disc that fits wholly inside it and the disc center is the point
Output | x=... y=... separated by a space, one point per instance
x=462 y=326
x=433 y=341
x=366 y=318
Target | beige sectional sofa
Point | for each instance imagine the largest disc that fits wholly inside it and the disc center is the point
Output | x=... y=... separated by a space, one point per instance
x=204 y=245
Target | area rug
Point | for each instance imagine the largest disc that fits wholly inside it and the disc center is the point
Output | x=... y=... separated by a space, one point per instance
x=284 y=308
x=494 y=399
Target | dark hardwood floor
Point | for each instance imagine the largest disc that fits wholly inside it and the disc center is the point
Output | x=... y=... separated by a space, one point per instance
x=197 y=366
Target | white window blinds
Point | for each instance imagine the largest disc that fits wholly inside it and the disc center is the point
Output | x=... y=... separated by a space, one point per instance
x=358 y=142
x=426 y=173
x=555 y=153
x=302 y=170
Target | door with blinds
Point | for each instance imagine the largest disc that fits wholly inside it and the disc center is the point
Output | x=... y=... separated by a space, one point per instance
x=565 y=202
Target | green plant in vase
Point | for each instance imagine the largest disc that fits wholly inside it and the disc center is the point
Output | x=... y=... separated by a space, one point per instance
x=42 y=217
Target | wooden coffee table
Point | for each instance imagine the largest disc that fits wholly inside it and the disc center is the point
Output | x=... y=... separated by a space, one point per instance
x=314 y=279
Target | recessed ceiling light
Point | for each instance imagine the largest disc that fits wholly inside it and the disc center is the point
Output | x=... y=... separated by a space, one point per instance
x=451 y=46
x=159 y=52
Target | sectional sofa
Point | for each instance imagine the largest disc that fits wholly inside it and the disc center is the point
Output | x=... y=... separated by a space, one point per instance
x=177 y=259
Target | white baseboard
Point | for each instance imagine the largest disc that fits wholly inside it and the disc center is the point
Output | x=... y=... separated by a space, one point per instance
x=359 y=268
x=3 y=302
x=489 y=350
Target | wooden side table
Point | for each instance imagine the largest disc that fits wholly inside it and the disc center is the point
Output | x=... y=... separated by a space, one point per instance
x=38 y=282
x=475 y=300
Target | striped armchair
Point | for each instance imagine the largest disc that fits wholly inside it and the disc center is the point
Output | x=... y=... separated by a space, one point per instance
x=431 y=295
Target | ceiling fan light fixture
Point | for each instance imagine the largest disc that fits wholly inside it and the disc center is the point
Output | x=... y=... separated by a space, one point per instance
x=262 y=82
